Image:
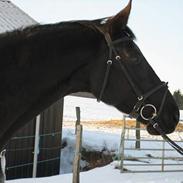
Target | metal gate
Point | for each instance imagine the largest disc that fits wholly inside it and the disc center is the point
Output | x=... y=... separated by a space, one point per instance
x=154 y=154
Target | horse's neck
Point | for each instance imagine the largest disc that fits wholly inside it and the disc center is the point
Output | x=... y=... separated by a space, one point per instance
x=72 y=65
x=45 y=63
x=38 y=70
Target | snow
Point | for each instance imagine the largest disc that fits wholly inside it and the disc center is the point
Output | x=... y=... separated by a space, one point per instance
x=110 y=142
x=92 y=141
x=98 y=139
x=181 y=115
x=109 y=139
x=90 y=109
x=108 y=174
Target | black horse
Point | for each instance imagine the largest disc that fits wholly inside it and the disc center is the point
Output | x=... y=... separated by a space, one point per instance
x=42 y=63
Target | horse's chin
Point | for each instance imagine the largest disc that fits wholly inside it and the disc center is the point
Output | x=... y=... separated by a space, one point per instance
x=149 y=127
x=151 y=130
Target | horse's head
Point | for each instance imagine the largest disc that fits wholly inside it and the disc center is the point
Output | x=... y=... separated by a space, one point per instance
x=129 y=81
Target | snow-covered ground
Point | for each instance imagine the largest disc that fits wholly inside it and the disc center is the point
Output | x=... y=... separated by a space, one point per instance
x=109 y=175
x=96 y=140
x=99 y=140
x=109 y=139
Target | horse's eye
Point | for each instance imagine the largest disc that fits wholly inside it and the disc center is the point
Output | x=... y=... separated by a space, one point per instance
x=126 y=54
x=130 y=56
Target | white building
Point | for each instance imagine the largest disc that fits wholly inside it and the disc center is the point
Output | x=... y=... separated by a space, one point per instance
x=11 y=17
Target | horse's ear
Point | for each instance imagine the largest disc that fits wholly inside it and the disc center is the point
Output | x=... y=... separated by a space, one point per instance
x=118 y=22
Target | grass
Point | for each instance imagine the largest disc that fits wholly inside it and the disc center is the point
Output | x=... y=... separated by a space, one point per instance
x=119 y=124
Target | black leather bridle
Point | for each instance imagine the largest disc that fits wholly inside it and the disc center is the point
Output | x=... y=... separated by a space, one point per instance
x=140 y=106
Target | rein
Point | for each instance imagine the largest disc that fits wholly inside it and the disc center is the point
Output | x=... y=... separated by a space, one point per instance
x=139 y=107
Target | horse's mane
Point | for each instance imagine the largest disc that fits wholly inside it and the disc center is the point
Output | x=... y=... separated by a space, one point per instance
x=37 y=29
x=21 y=34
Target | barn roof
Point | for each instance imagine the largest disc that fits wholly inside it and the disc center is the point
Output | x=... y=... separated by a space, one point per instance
x=12 y=17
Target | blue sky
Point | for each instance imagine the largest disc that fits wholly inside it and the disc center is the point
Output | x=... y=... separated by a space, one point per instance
x=158 y=25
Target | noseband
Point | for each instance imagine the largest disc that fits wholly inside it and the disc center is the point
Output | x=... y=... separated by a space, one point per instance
x=140 y=106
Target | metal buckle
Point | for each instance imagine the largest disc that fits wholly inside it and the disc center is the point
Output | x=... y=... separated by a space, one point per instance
x=109 y=62
x=154 y=114
x=155 y=125
x=136 y=109
x=118 y=57
x=2 y=153
x=140 y=98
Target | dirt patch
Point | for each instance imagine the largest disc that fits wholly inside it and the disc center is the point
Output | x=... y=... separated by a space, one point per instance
x=179 y=127
x=117 y=124
x=96 y=159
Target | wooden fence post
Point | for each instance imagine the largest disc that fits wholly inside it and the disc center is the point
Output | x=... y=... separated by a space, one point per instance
x=78 y=112
x=76 y=164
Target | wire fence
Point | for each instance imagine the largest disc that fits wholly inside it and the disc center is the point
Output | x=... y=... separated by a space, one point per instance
x=20 y=155
x=32 y=149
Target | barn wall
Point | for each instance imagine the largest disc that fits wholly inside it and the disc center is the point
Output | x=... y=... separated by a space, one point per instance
x=50 y=145
x=20 y=150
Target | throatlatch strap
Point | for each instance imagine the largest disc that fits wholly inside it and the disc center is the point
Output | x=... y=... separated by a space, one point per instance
x=106 y=76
